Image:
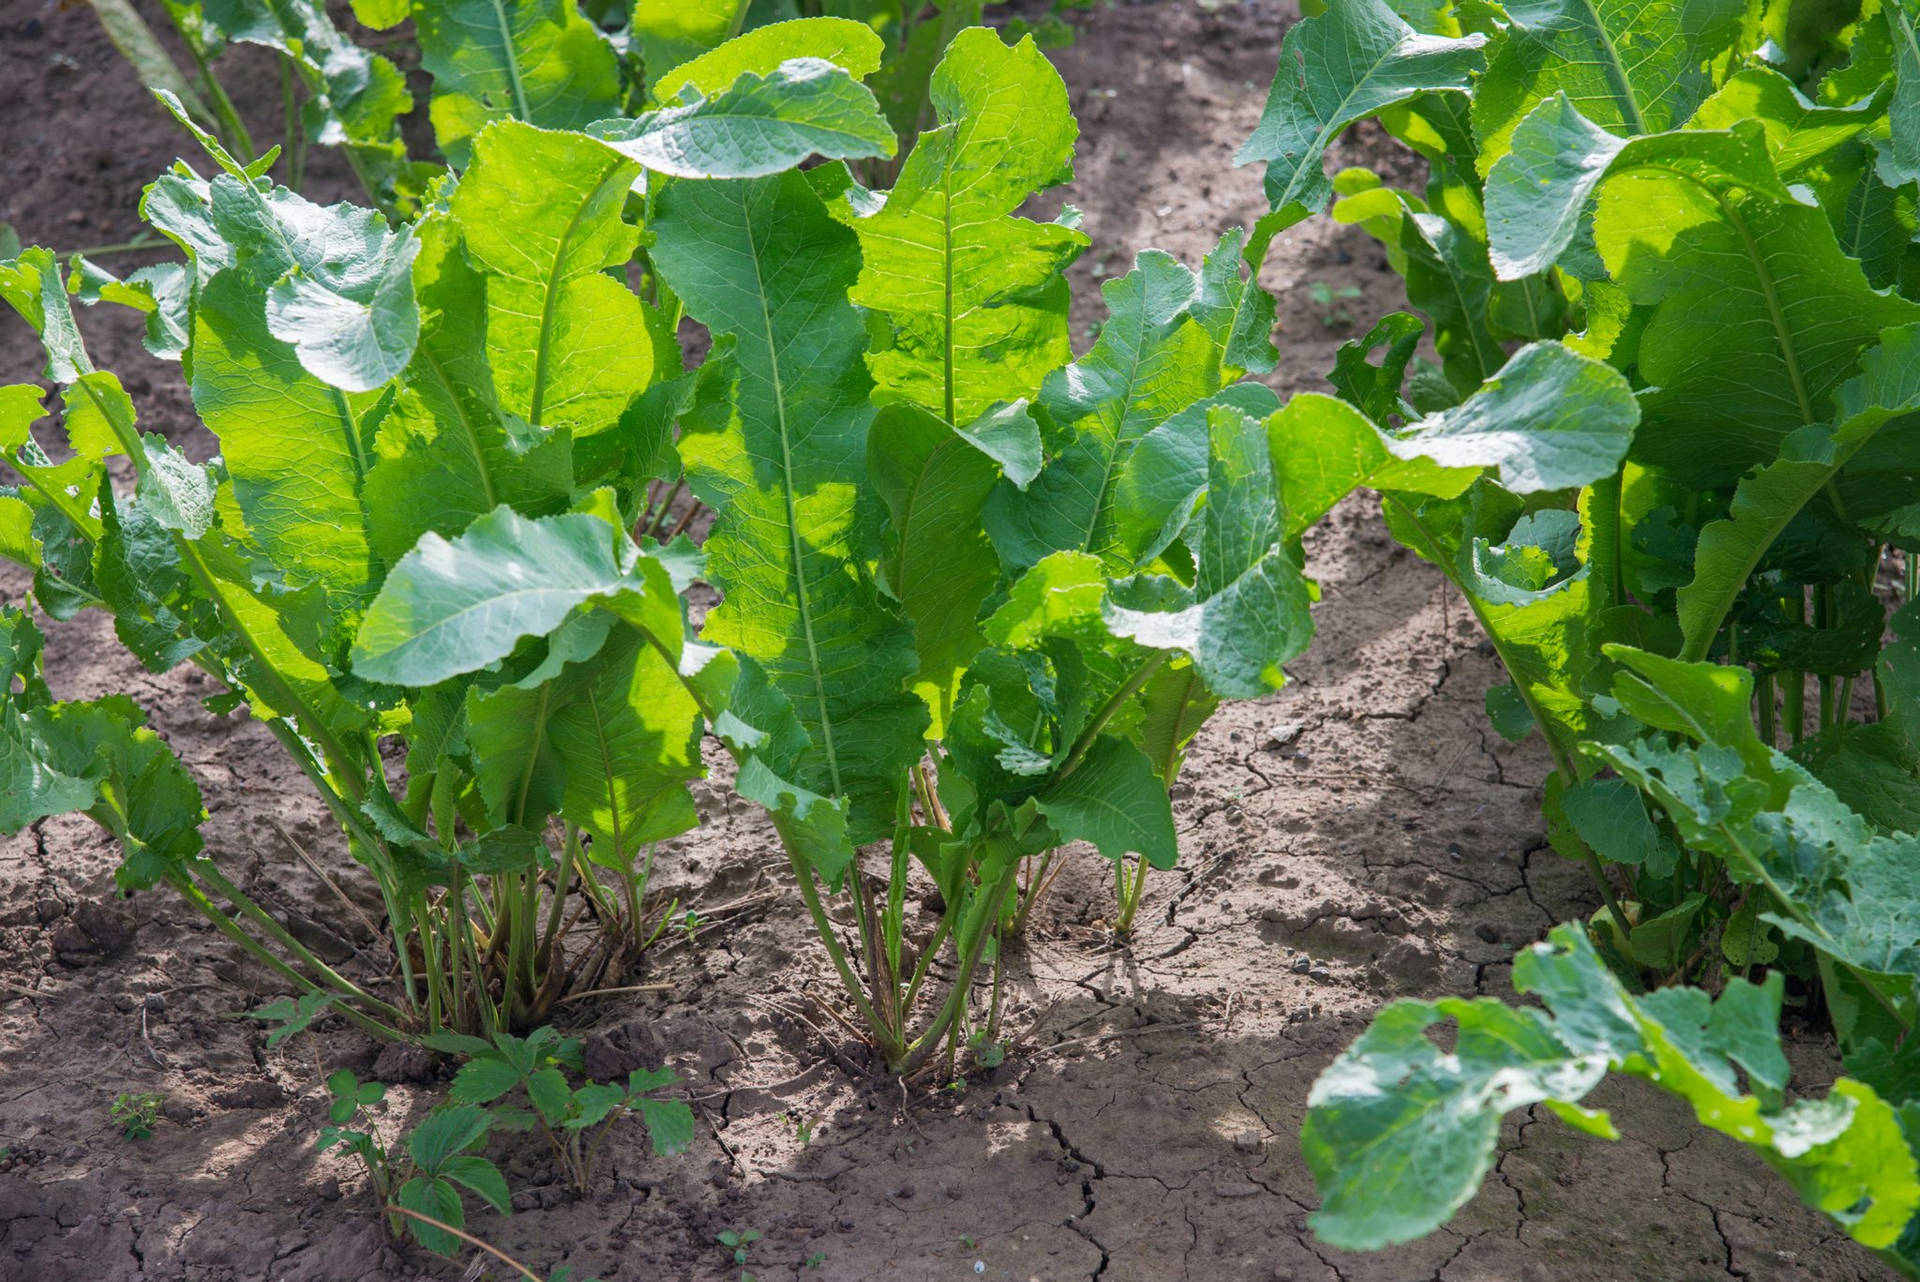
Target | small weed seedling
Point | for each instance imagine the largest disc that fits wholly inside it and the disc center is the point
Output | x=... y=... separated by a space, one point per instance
x=1332 y=303
x=135 y=1113
x=802 y=1127
x=740 y=1242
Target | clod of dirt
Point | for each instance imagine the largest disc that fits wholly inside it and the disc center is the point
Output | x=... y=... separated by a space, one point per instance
x=398 y=1062
x=612 y=1053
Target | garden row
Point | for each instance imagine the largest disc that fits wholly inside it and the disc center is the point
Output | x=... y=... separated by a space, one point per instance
x=979 y=595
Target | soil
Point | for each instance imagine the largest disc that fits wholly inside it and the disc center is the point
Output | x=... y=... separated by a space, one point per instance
x=1359 y=836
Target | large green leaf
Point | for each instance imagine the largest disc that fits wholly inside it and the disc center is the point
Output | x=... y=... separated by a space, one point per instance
x=1338 y=67
x=1550 y=419
x=609 y=745
x=1115 y=801
x=940 y=567
x=570 y=345
x=1755 y=315
x=1770 y=497
x=1247 y=610
x=536 y=61
x=852 y=45
x=973 y=294
x=297 y=451
x=759 y=125
x=453 y=607
x=445 y=452
x=1399 y=1133
x=1158 y=352
x=761 y=263
x=1630 y=66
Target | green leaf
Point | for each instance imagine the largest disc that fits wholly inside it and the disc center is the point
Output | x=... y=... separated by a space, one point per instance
x=1630 y=66
x=1175 y=703
x=1060 y=596
x=1549 y=420
x=763 y=266
x=1116 y=801
x=1247 y=612
x=570 y=345
x=672 y=32
x=481 y=1177
x=1154 y=358
x=669 y=1125
x=1610 y=817
x=1399 y=1133
x=439 y=1200
x=30 y=284
x=97 y=757
x=1537 y=192
x=854 y=46
x=1341 y=66
x=592 y=1103
x=1509 y=713
x=296 y=450
x=483 y=1080
x=447 y=1132
x=1899 y=154
x=353 y=97
x=1809 y=460
x=539 y=62
x=354 y=326
x=610 y=745
x=446 y=452
x=176 y=494
x=454 y=607
x=1163 y=482
x=552 y=1097
x=1737 y=272
x=941 y=568
x=1661 y=942
x=973 y=296
x=758 y=125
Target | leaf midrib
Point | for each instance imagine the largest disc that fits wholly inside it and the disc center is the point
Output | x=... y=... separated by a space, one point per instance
x=466 y=423
x=1615 y=69
x=802 y=598
x=510 y=57
x=543 y=353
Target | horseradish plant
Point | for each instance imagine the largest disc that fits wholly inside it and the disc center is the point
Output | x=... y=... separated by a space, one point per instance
x=480 y=374
x=1678 y=563
x=551 y=63
x=978 y=596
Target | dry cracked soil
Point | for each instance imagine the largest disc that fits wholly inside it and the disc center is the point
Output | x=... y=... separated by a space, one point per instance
x=1361 y=835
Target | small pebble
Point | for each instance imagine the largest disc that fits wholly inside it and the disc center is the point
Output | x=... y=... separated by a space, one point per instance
x=1320 y=973
x=1247 y=1141
x=1301 y=965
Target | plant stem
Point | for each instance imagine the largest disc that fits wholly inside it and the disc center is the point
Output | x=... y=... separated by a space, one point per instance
x=823 y=927
x=208 y=873
x=1117 y=700
x=969 y=943
x=252 y=947
x=395 y=1208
